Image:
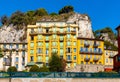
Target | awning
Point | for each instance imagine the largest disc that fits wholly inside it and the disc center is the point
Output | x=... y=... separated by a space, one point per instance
x=30 y=64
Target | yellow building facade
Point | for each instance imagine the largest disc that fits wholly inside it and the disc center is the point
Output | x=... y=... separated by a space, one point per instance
x=90 y=51
x=44 y=38
x=109 y=54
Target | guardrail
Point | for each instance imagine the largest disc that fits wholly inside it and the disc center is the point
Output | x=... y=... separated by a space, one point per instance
x=57 y=75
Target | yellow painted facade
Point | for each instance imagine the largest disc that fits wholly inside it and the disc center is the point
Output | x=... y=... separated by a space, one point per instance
x=47 y=37
x=90 y=51
x=109 y=54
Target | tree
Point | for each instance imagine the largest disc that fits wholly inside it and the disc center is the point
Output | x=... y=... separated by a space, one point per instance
x=53 y=14
x=12 y=69
x=55 y=63
x=66 y=9
x=4 y=20
x=18 y=18
x=34 y=68
x=41 y=12
x=43 y=69
x=1 y=55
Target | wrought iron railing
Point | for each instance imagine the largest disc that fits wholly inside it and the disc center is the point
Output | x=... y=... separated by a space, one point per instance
x=57 y=75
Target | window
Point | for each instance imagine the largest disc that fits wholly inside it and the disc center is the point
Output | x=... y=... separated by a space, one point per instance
x=68 y=50
x=74 y=49
x=17 y=46
x=68 y=57
x=81 y=49
x=31 y=58
x=23 y=52
x=61 y=44
x=32 y=52
x=74 y=64
x=61 y=52
x=47 y=59
x=39 y=37
x=111 y=60
x=106 y=60
x=23 y=46
x=32 y=44
x=68 y=35
x=39 y=58
x=39 y=43
x=47 y=51
x=74 y=57
x=68 y=29
x=81 y=42
x=16 y=59
x=32 y=37
x=47 y=30
x=23 y=59
x=10 y=46
x=90 y=56
x=47 y=45
x=4 y=45
x=16 y=66
x=39 y=50
x=61 y=30
x=68 y=43
x=90 y=49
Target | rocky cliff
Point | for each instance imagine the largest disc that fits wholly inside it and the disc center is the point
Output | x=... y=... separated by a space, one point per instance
x=84 y=23
x=11 y=34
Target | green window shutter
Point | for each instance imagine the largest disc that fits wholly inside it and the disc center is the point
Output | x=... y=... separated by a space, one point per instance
x=47 y=58
x=47 y=38
x=68 y=43
x=61 y=30
x=54 y=29
x=31 y=44
x=31 y=51
x=39 y=43
x=61 y=44
x=47 y=45
x=68 y=35
x=61 y=52
x=39 y=37
x=39 y=58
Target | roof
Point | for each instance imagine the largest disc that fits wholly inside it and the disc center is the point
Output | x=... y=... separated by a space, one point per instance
x=118 y=27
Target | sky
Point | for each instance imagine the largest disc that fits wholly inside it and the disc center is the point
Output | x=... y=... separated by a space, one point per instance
x=103 y=13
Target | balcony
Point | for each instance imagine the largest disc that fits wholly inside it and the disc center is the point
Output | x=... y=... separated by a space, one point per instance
x=73 y=32
x=39 y=62
x=87 y=59
x=47 y=33
x=61 y=39
x=95 y=45
x=111 y=56
x=86 y=45
x=90 y=52
x=96 y=59
x=47 y=39
x=33 y=33
x=61 y=33
x=69 y=60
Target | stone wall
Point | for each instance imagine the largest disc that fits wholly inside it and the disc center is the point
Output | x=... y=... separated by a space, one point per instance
x=61 y=80
x=87 y=68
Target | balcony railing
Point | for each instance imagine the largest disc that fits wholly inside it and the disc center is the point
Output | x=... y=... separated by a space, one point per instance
x=33 y=33
x=58 y=75
x=90 y=52
x=95 y=45
x=86 y=45
x=61 y=33
x=73 y=32
x=47 y=33
x=95 y=59
x=111 y=56
x=87 y=59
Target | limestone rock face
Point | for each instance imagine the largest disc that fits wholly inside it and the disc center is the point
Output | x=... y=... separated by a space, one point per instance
x=84 y=23
x=9 y=34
